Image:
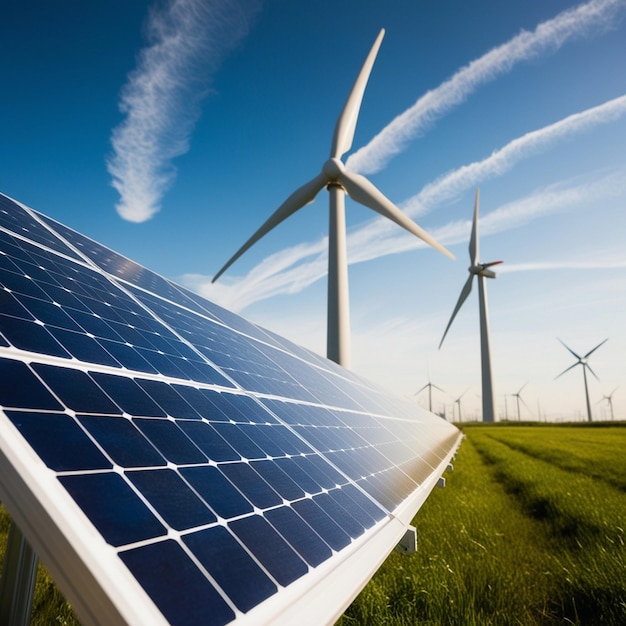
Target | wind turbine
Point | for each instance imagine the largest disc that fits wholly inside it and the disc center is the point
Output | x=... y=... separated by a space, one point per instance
x=430 y=386
x=340 y=181
x=481 y=271
x=518 y=397
x=458 y=402
x=609 y=399
x=583 y=360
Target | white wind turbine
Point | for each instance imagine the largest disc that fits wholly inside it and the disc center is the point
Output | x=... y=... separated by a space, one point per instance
x=583 y=360
x=458 y=402
x=340 y=181
x=609 y=399
x=430 y=386
x=518 y=397
x=480 y=271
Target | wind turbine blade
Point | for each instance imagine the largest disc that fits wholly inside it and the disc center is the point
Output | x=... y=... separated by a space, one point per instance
x=571 y=351
x=362 y=191
x=439 y=388
x=473 y=244
x=589 y=368
x=567 y=370
x=594 y=349
x=422 y=389
x=346 y=124
x=467 y=288
x=300 y=197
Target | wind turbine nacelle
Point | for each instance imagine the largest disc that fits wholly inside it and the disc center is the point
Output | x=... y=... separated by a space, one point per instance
x=482 y=269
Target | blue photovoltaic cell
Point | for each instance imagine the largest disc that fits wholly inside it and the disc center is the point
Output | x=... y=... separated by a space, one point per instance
x=309 y=545
x=16 y=219
x=221 y=462
x=172 y=498
x=72 y=449
x=270 y=548
x=230 y=564
x=19 y=387
x=113 y=507
x=213 y=487
x=157 y=565
x=122 y=441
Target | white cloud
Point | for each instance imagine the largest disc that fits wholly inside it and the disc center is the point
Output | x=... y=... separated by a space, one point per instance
x=540 y=266
x=161 y=100
x=549 y=36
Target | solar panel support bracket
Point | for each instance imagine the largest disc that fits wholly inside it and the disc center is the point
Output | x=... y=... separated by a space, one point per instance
x=17 y=585
x=408 y=543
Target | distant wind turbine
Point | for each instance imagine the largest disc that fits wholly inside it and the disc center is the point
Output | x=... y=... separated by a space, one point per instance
x=430 y=386
x=458 y=402
x=609 y=399
x=518 y=397
x=583 y=360
x=340 y=181
x=481 y=271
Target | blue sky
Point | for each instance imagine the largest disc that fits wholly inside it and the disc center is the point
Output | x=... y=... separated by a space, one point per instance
x=171 y=131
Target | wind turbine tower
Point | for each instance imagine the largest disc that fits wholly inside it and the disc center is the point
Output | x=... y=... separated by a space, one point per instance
x=584 y=361
x=480 y=271
x=430 y=386
x=340 y=181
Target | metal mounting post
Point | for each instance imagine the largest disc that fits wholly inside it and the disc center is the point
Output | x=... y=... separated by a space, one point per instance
x=17 y=586
x=408 y=543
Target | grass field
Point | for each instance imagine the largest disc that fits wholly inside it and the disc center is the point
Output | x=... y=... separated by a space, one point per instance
x=528 y=531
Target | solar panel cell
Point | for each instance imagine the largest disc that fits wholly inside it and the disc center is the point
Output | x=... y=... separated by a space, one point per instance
x=127 y=394
x=76 y=389
x=253 y=487
x=322 y=523
x=15 y=218
x=122 y=442
x=157 y=565
x=228 y=563
x=113 y=507
x=300 y=535
x=280 y=481
x=215 y=489
x=203 y=402
x=172 y=403
x=170 y=441
x=209 y=441
x=239 y=441
x=172 y=498
x=20 y=388
x=72 y=450
x=272 y=551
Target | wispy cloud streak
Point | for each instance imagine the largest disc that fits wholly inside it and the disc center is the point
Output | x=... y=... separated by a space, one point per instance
x=292 y=269
x=549 y=36
x=186 y=40
x=541 y=266
x=500 y=161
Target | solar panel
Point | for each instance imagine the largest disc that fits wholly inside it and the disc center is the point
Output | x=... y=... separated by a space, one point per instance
x=172 y=463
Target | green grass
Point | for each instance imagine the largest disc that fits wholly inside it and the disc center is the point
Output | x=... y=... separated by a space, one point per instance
x=529 y=530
